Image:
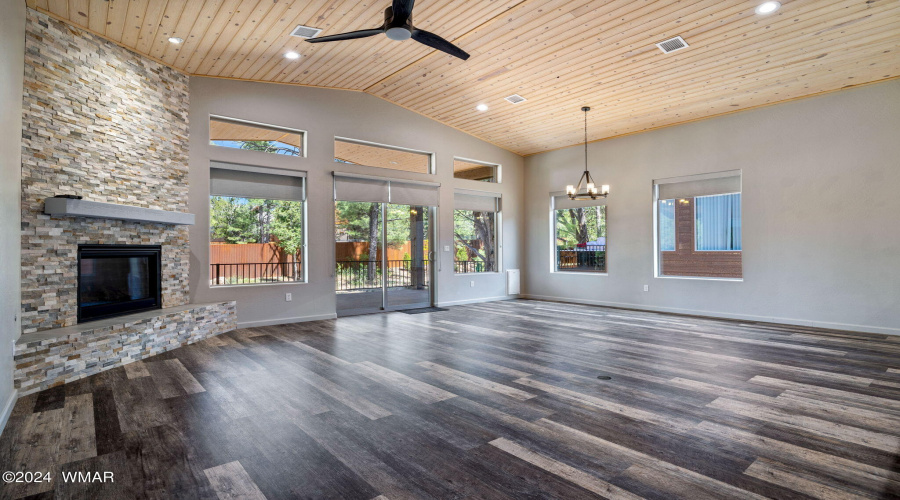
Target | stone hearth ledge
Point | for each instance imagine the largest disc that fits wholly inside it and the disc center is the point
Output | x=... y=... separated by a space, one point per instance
x=53 y=357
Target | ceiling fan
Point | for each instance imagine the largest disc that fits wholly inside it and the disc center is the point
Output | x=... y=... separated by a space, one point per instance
x=398 y=26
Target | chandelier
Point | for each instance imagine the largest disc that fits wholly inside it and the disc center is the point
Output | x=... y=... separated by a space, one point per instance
x=586 y=189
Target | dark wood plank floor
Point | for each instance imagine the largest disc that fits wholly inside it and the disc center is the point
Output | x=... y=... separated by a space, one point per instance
x=498 y=400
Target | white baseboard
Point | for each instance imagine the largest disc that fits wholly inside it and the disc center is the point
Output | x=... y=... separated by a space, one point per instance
x=476 y=301
x=717 y=314
x=285 y=321
x=7 y=409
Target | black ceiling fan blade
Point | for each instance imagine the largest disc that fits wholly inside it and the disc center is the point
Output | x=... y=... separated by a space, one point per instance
x=402 y=11
x=436 y=42
x=346 y=36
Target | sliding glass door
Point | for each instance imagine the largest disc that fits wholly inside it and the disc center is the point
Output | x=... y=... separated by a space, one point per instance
x=383 y=256
x=358 y=240
x=408 y=276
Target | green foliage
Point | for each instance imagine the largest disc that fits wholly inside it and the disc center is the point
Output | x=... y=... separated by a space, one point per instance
x=580 y=225
x=287 y=220
x=232 y=220
x=249 y=220
x=353 y=220
x=474 y=236
x=271 y=147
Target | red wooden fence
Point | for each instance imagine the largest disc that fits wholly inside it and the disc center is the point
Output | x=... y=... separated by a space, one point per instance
x=245 y=253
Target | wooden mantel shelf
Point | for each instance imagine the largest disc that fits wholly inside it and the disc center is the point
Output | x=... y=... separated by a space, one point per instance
x=68 y=207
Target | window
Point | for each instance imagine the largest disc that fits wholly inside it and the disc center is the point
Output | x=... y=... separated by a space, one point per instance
x=475 y=223
x=698 y=226
x=231 y=133
x=717 y=222
x=579 y=233
x=475 y=170
x=256 y=225
x=380 y=156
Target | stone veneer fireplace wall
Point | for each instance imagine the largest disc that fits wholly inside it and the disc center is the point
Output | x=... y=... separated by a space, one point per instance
x=109 y=125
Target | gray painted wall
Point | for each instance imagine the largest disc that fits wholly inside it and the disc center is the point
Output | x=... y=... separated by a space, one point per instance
x=324 y=114
x=12 y=64
x=821 y=230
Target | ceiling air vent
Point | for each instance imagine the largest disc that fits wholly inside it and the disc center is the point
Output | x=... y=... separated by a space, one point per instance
x=515 y=99
x=305 y=32
x=672 y=44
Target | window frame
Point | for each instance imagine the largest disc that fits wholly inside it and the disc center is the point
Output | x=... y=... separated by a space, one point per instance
x=304 y=256
x=304 y=135
x=553 y=239
x=657 y=253
x=498 y=169
x=431 y=156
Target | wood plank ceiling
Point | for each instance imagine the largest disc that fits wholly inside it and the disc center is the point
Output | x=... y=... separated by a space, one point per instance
x=559 y=54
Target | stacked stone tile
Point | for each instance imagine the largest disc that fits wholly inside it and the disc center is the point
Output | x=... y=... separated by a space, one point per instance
x=41 y=364
x=111 y=126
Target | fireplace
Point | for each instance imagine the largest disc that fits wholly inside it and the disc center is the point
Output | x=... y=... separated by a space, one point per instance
x=114 y=280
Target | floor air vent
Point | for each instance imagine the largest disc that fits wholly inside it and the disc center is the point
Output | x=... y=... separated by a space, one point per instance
x=515 y=99
x=305 y=32
x=672 y=44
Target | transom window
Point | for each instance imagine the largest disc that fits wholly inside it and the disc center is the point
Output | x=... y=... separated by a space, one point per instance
x=475 y=170
x=377 y=155
x=239 y=134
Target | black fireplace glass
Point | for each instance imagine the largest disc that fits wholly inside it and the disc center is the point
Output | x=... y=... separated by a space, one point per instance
x=117 y=279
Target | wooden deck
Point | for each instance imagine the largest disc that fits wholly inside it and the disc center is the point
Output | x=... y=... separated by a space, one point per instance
x=497 y=400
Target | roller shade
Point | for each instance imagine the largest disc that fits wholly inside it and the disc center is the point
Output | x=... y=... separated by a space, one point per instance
x=348 y=188
x=256 y=182
x=699 y=185
x=418 y=195
x=476 y=201
x=562 y=202
x=351 y=187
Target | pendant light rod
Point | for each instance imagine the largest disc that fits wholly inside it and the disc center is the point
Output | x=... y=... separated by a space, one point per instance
x=586 y=189
x=585 y=109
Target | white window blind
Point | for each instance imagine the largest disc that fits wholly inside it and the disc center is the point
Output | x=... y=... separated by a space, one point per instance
x=245 y=181
x=476 y=201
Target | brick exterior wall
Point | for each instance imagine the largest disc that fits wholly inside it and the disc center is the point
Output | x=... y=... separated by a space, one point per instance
x=111 y=126
x=41 y=364
x=685 y=261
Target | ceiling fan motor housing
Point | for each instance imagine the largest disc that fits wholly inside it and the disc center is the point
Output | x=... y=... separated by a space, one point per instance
x=396 y=31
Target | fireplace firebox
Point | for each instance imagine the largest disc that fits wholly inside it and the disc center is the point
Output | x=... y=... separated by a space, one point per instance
x=115 y=280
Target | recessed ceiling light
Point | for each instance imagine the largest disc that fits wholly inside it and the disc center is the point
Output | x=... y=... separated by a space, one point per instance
x=767 y=8
x=482 y=107
x=292 y=55
x=175 y=39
